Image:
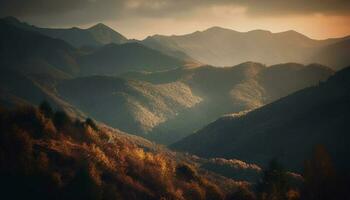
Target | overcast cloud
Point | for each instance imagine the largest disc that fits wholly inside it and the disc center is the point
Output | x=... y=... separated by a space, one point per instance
x=86 y=12
x=89 y=11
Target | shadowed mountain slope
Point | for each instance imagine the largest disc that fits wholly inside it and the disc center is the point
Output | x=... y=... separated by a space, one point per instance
x=287 y=129
x=116 y=59
x=33 y=53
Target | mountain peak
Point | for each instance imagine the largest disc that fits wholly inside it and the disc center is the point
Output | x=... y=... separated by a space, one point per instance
x=217 y=29
x=100 y=26
x=11 y=19
x=291 y=33
x=259 y=31
x=104 y=34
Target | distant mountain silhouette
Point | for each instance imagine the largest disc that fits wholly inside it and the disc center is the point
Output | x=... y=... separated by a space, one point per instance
x=116 y=59
x=34 y=53
x=287 y=129
x=224 y=47
x=335 y=54
x=96 y=35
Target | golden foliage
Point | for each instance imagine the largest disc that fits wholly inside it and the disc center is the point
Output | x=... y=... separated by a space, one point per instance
x=67 y=160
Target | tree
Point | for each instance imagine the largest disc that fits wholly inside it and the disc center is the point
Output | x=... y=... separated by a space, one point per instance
x=46 y=109
x=320 y=177
x=61 y=119
x=274 y=184
x=186 y=172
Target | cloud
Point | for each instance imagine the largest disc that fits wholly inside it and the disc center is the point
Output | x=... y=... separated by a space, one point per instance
x=62 y=12
x=90 y=11
x=295 y=7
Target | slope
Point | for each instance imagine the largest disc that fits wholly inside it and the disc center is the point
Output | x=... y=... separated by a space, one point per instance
x=226 y=90
x=132 y=106
x=335 y=54
x=32 y=52
x=72 y=159
x=116 y=59
x=287 y=129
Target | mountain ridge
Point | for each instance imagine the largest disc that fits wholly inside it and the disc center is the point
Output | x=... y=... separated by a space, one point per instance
x=226 y=47
x=96 y=35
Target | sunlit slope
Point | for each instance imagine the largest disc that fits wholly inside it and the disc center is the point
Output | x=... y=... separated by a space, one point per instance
x=133 y=106
x=225 y=90
x=287 y=129
x=76 y=159
x=115 y=59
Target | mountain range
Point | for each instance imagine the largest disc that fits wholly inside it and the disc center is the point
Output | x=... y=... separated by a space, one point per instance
x=159 y=105
x=225 y=47
x=156 y=96
x=287 y=129
x=83 y=111
x=33 y=52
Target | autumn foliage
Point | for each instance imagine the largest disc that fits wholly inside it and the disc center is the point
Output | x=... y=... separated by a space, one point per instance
x=48 y=155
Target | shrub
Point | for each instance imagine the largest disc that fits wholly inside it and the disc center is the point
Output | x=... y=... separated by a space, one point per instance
x=61 y=120
x=83 y=163
x=91 y=123
x=184 y=171
x=243 y=193
x=274 y=184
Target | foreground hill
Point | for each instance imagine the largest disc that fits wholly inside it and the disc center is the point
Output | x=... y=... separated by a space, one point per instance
x=47 y=155
x=224 y=47
x=97 y=35
x=226 y=90
x=287 y=129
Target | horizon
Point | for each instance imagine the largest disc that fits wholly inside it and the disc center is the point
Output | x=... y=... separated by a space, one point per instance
x=172 y=34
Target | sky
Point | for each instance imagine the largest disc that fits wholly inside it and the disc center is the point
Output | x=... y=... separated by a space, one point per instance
x=318 y=19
